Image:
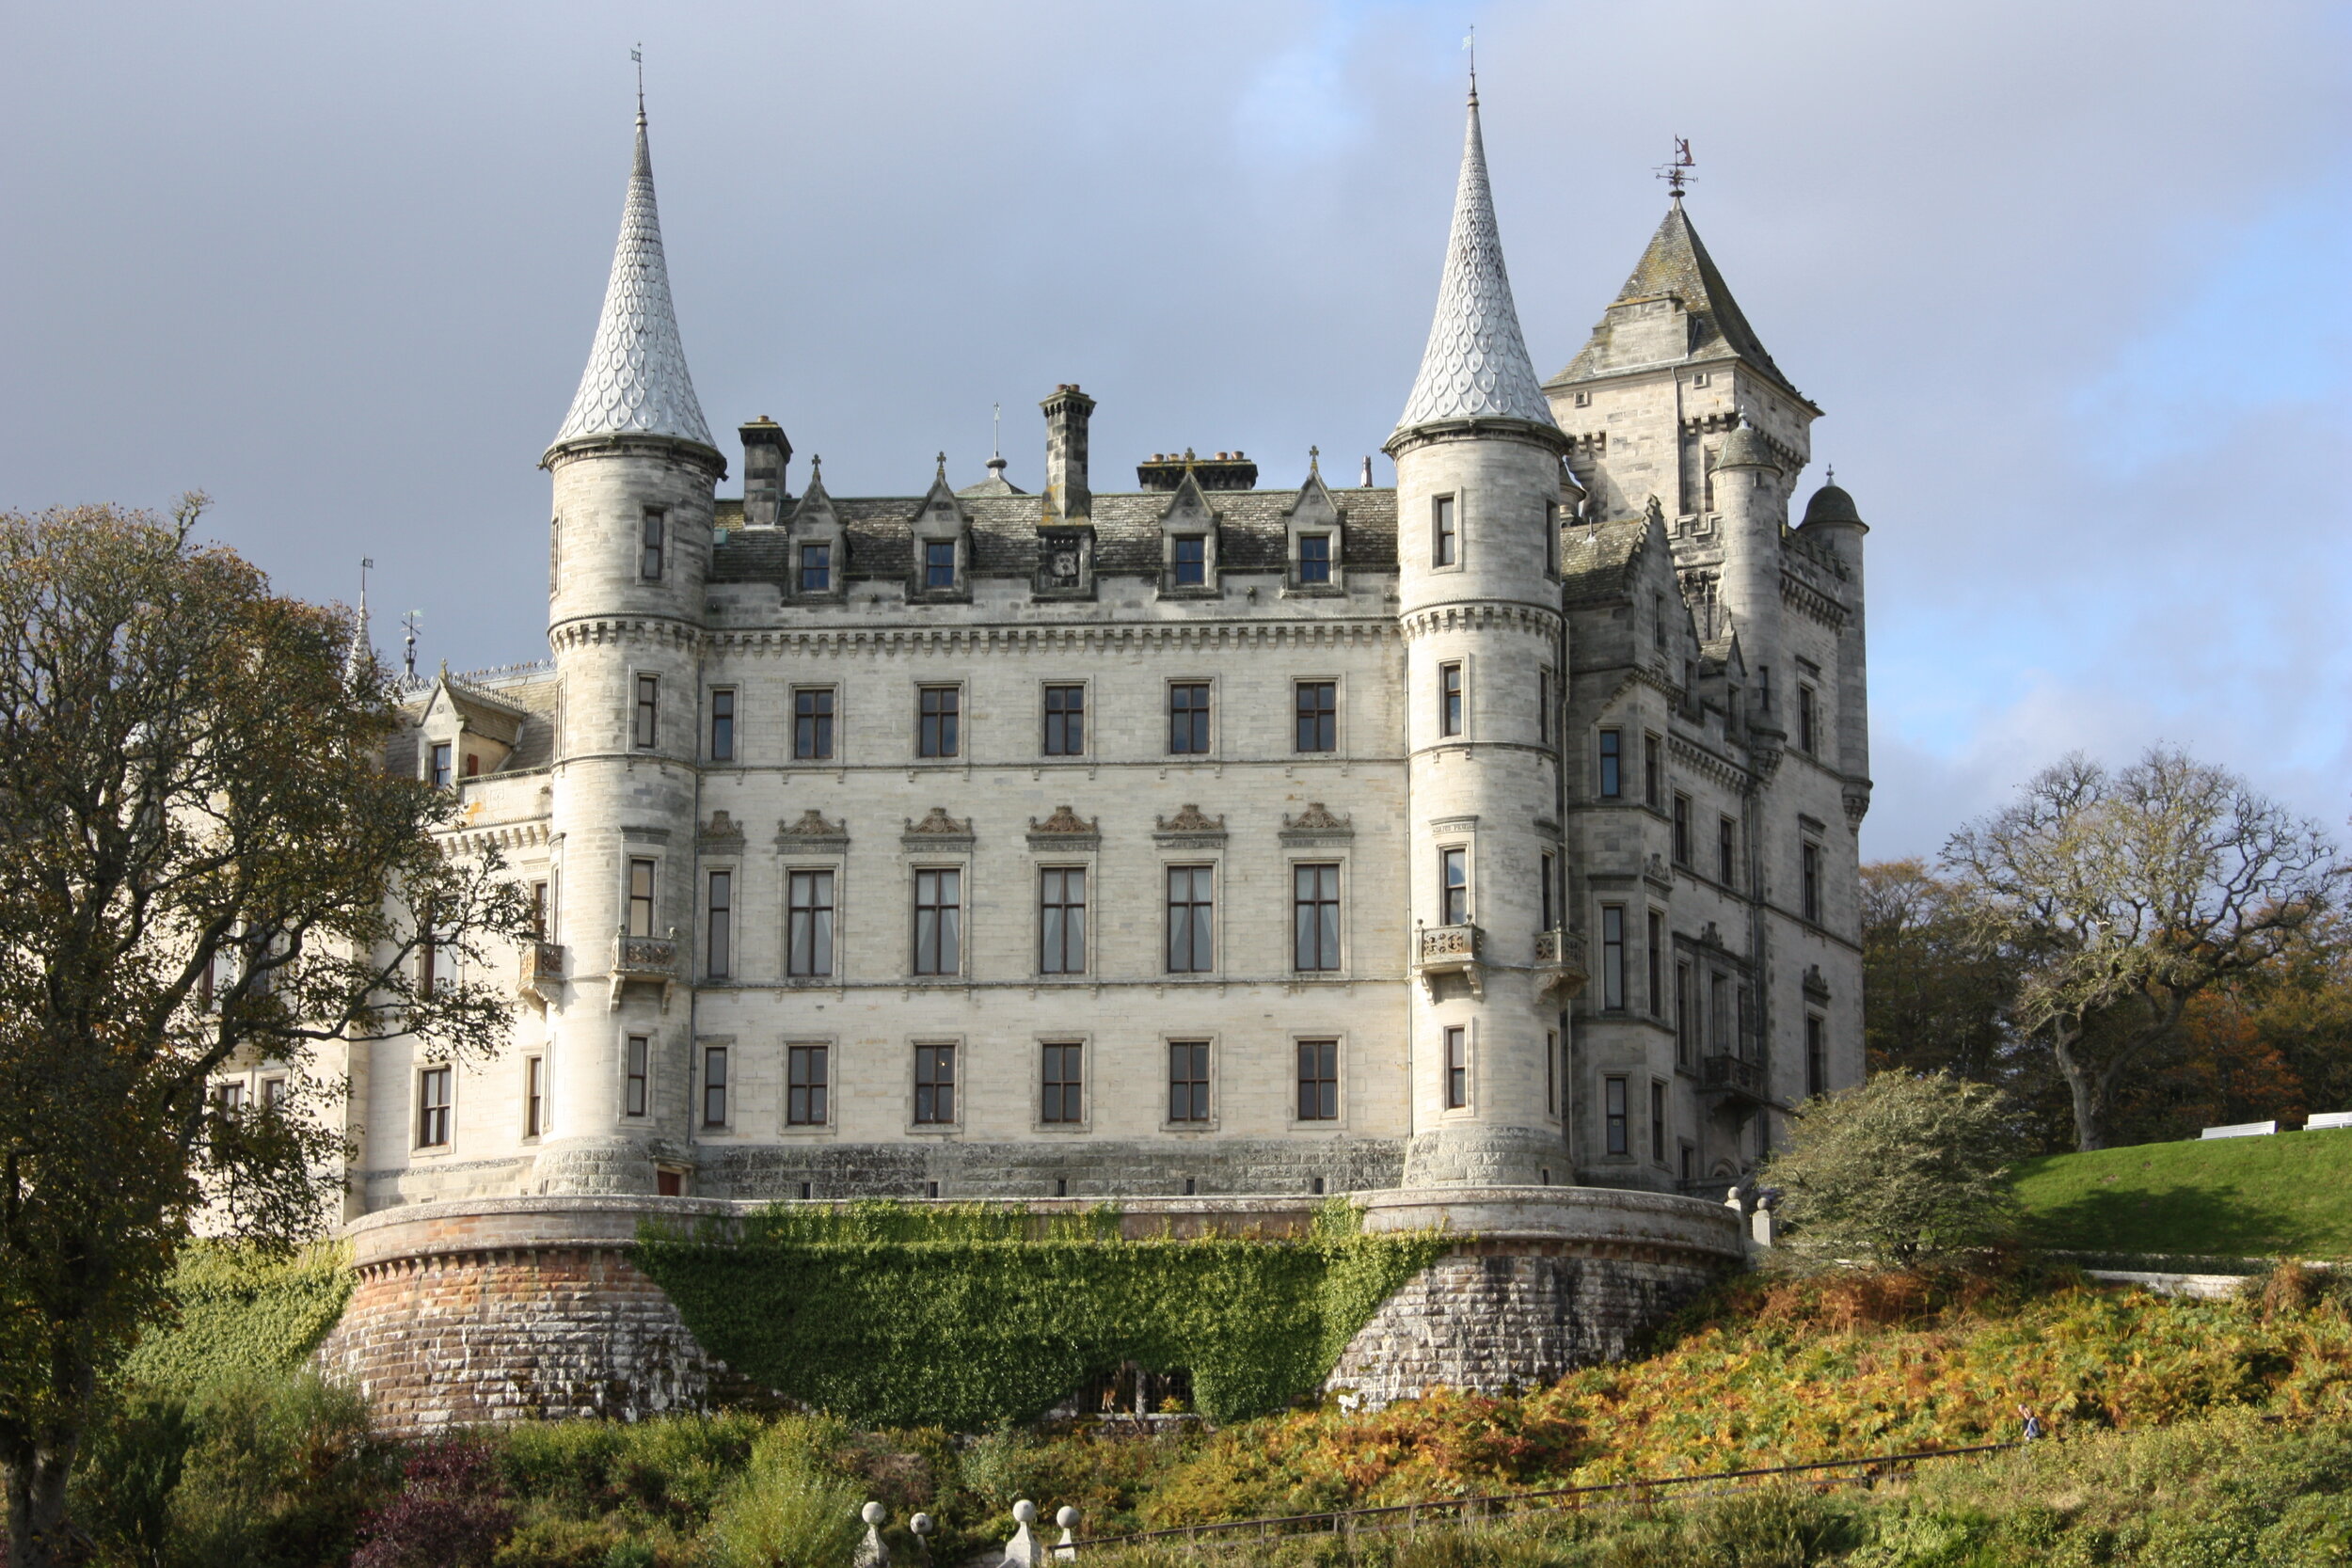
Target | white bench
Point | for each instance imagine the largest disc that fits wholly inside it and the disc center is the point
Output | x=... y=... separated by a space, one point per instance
x=2243 y=1130
x=2327 y=1120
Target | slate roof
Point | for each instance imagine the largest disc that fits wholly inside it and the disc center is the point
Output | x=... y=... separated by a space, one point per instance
x=1252 y=534
x=1677 y=263
x=636 y=380
x=1596 y=565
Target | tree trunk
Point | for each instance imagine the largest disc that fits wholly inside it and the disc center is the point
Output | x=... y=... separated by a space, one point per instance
x=2088 y=1089
x=36 y=1523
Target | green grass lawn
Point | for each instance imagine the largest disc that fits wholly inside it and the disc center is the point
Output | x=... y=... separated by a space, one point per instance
x=2286 y=1196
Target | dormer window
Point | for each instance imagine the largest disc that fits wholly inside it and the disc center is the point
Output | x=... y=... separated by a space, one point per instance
x=1192 y=560
x=939 y=564
x=440 y=766
x=1315 y=560
x=817 y=568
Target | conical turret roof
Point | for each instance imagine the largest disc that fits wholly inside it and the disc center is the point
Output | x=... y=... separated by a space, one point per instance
x=1476 y=364
x=636 y=382
x=1676 y=264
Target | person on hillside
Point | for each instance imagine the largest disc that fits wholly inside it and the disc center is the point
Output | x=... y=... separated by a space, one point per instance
x=2034 y=1428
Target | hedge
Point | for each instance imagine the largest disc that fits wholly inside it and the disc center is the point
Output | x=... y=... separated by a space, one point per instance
x=965 y=1316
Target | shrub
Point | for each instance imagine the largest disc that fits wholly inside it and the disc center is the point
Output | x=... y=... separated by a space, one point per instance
x=280 y=1476
x=786 y=1510
x=1902 y=1169
x=450 y=1514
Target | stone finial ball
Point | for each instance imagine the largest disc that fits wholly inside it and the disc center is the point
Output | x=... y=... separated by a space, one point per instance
x=873 y=1514
x=1025 y=1512
x=921 y=1524
x=1067 y=1518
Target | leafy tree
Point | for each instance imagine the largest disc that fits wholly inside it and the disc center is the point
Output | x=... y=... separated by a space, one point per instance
x=1902 y=1168
x=205 y=864
x=1936 y=994
x=2125 y=895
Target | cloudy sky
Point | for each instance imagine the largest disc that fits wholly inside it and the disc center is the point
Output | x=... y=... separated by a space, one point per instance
x=2073 y=281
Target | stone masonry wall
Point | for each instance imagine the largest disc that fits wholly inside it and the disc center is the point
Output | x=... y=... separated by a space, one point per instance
x=498 y=1336
x=1497 y=1316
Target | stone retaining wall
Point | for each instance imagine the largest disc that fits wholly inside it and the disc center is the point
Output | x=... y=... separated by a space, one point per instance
x=512 y=1308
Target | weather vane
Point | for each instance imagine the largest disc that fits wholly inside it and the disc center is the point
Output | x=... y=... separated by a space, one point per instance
x=1675 y=172
x=411 y=621
x=638 y=55
x=1469 y=46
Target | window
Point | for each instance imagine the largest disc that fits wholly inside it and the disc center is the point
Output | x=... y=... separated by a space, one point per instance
x=1315 y=917
x=1658 y=622
x=808 y=935
x=432 y=1107
x=1727 y=852
x=440 y=766
x=1449 y=699
x=1551 y=1080
x=428 y=958
x=812 y=723
x=1653 y=774
x=1682 y=828
x=934 y=1084
x=1612 y=958
x=534 y=1096
x=1547 y=904
x=539 y=910
x=229 y=1098
x=1456 y=1067
x=1192 y=560
x=938 y=921
x=1612 y=758
x=723 y=725
x=1191 y=916
x=1613 y=1115
x=939 y=564
x=1816 y=1055
x=1445 y=541
x=1318 y=1080
x=1658 y=1121
x=1065 y=720
x=1690 y=1161
x=1655 y=961
x=1188 y=1081
x=1804 y=719
x=648 y=711
x=1746 y=1039
x=1551 y=539
x=1064 y=1102
x=1719 y=1014
x=1314 y=559
x=473 y=765
x=649 y=562
x=714 y=1085
x=1189 y=717
x=721 y=925
x=805 y=1086
x=938 y=707
x=641 y=898
x=1686 y=1045
x=633 y=1071
x=1317 y=704
x=273 y=1094
x=1454 y=887
x=816 y=568
x=1543 y=706
x=1062 y=920
x=1809 y=880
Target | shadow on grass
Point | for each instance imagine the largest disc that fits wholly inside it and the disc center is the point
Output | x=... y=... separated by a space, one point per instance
x=2172 y=1220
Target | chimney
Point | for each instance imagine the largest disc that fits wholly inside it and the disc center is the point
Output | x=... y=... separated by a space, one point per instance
x=1066 y=415
x=765 y=455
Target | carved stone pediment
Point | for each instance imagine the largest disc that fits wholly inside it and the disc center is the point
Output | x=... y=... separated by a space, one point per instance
x=1065 y=830
x=720 y=832
x=1189 y=826
x=1314 y=825
x=938 y=830
x=813 y=834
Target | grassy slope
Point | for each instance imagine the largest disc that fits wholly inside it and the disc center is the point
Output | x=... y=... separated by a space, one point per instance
x=2286 y=1196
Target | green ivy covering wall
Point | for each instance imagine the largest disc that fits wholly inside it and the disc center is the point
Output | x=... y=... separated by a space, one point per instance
x=967 y=1315
x=242 y=1313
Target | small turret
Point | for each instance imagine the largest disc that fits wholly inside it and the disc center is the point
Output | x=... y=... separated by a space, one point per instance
x=1832 y=515
x=1747 y=500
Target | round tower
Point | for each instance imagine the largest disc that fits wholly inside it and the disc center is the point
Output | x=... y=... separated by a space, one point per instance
x=1748 y=500
x=1478 y=492
x=633 y=471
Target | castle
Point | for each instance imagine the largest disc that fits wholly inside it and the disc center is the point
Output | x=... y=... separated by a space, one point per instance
x=1490 y=834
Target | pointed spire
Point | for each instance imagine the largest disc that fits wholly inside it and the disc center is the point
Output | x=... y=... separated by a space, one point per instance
x=1676 y=265
x=636 y=382
x=1476 y=364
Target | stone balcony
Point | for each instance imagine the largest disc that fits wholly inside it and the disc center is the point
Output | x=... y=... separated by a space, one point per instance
x=651 y=960
x=1560 y=961
x=1735 y=1078
x=1451 y=950
x=542 y=972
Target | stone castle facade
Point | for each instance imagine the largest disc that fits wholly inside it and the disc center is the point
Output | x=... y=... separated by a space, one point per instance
x=1198 y=838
